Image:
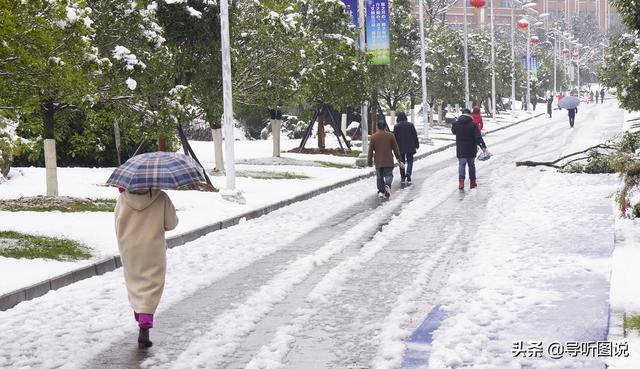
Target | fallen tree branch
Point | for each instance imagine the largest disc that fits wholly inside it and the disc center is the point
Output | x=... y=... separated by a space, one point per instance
x=553 y=164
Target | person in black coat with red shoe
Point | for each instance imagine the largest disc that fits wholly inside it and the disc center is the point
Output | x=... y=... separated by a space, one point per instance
x=407 y=138
x=468 y=138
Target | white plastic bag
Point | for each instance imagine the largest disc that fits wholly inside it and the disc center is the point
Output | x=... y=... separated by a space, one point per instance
x=484 y=155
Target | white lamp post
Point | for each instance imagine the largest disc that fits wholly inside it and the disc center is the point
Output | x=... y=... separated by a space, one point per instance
x=513 y=57
x=493 y=70
x=364 y=126
x=230 y=169
x=466 y=58
x=426 y=111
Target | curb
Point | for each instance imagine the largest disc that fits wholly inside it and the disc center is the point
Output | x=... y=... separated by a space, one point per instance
x=11 y=299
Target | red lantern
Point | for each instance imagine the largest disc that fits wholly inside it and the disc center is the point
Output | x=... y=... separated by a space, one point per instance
x=477 y=3
x=534 y=40
x=565 y=51
x=523 y=24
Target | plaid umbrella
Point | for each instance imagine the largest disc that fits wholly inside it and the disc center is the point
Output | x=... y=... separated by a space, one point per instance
x=158 y=170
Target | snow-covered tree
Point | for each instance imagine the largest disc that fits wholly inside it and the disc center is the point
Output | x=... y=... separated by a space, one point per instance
x=622 y=69
x=47 y=63
x=397 y=81
x=333 y=71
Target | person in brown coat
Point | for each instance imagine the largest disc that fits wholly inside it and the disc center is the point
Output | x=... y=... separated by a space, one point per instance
x=382 y=148
x=141 y=220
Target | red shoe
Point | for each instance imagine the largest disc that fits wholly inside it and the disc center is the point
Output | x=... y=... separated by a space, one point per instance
x=461 y=184
x=473 y=183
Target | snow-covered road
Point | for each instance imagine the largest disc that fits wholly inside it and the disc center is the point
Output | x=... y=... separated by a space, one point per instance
x=340 y=281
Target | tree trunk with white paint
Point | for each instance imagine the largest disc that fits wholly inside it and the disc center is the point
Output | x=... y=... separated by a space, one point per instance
x=51 y=166
x=216 y=134
x=276 y=125
x=343 y=123
x=48 y=110
x=392 y=120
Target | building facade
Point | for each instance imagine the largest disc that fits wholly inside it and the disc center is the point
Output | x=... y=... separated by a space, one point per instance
x=604 y=12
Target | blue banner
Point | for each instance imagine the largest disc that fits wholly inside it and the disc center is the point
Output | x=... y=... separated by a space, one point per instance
x=533 y=60
x=352 y=8
x=534 y=63
x=378 y=31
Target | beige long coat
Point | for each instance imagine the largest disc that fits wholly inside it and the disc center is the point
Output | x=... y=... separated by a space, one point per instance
x=141 y=221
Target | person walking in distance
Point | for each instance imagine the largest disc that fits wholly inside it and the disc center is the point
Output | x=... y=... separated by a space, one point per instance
x=407 y=139
x=602 y=96
x=549 y=105
x=382 y=148
x=597 y=96
x=141 y=219
x=477 y=117
x=534 y=101
x=468 y=138
x=572 y=116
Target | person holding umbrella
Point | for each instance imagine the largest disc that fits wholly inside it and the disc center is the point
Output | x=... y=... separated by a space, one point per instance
x=571 y=104
x=143 y=214
x=572 y=116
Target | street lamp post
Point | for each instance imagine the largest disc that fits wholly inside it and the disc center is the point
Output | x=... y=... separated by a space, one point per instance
x=466 y=58
x=528 y=97
x=493 y=70
x=555 y=55
x=425 y=104
x=513 y=57
x=230 y=169
x=364 y=125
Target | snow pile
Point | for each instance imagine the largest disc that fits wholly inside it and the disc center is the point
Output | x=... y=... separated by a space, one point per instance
x=625 y=295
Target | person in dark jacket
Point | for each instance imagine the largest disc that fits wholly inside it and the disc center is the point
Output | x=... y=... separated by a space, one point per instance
x=382 y=148
x=407 y=139
x=602 y=96
x=534 y=101
x=549 y=105
x=468 y=138
x=572 y=116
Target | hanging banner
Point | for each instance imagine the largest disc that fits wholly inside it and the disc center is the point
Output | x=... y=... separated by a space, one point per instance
x=352 y=8
x=534 y=64
x=533 y=60
x=378 y=31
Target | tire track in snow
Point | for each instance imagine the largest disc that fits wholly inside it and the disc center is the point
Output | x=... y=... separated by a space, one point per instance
x=391 y=343
x=228 y=330
x=271 y=356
